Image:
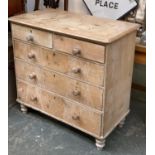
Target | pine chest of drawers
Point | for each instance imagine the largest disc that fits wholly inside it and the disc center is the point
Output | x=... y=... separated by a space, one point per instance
x=74 y=68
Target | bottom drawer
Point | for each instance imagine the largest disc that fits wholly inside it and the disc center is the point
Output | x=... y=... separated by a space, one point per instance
x=72 y=113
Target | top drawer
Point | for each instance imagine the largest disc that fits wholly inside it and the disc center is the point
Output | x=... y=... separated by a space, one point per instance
x=79 y=48
x=32 y=35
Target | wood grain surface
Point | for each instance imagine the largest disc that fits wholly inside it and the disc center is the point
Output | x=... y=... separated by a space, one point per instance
x=51 y=103
x=32 y=35
x=75 y=68
x=85 y=26
x=119 y=68
x=81 y=69
x=87 y=50
x=56 y=82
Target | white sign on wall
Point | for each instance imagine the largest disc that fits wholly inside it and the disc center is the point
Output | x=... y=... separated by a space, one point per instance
x=113 y=9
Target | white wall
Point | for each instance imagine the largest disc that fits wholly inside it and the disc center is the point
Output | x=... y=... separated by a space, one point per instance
x=77 y=6
x=30 y=5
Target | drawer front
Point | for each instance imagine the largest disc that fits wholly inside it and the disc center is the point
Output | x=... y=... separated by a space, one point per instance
x=79 y=48
x=32 y=35
x=68 y=87
x=54 y=105
x=64 y=63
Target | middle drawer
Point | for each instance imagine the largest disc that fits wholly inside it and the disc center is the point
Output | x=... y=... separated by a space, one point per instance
x=60 y=84
x=64 y=63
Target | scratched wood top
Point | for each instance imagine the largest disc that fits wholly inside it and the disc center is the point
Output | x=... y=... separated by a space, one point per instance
x=80 y=26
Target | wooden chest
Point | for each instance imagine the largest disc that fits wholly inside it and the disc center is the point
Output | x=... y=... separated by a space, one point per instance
x=74 y=68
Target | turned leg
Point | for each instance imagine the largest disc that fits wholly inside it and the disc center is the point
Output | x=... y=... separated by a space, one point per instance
x=100 y=143
x=121 y=124
x=23 y=108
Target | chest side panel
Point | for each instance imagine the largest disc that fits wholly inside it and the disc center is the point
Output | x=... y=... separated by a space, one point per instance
x=119 y=68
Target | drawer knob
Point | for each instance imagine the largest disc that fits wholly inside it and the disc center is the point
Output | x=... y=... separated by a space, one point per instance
x=20 y=90
x=32 y=76
x=76 y=92
x=76 y=51
x=75 y=117
x=30 y=38
x=31 y=55
x=76 y=70
x=34 y=98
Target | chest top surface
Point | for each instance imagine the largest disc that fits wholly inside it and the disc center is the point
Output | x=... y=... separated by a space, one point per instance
x=80 y=26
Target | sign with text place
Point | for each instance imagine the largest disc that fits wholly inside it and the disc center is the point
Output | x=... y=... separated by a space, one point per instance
x=113 y=9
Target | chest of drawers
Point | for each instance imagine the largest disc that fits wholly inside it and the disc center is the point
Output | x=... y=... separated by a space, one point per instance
x=76 y=69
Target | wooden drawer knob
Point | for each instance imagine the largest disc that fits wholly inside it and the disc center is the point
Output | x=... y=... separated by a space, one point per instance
x=76 y=70
x=76 y=51
x=31 y=55
x=75 y=117
x=29 y=38
x=76 y=92
x=34 y=98
x=32 y=76
x=20 y=91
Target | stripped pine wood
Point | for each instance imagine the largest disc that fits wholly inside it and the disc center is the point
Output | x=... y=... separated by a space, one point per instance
x=119 y=68
x=59 y=107
x=78 y=68
x=76 y=25
x=32 y=35
x=75 y=68
x=79 y=48
x=56 y=82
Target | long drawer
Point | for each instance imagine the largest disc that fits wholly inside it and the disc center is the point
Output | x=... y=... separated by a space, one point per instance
x=64 y=63
x=56 y=82
x=79 y=48
x=54 y=105
x=32 y=35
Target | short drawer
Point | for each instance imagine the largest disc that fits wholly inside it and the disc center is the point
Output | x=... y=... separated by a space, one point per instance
x=60 y=108
x=32 y=35
x=79 y=48
x=64 y=63
x=67 y=87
